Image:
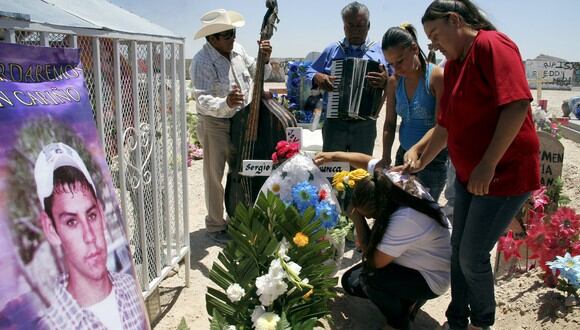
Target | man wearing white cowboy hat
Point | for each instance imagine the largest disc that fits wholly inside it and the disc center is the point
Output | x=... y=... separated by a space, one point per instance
x=221 y=73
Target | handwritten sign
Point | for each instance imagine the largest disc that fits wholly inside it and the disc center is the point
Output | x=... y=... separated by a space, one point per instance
x=551 y=158
x=554 y=74
x=294 y=134
x=257 y=167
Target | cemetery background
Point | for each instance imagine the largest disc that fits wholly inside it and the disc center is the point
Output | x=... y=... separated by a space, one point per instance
x=523 y=302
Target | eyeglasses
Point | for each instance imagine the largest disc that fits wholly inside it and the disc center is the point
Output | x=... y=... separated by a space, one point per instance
x=226 y=35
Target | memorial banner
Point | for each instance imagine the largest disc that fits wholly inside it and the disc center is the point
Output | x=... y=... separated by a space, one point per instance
x=64 y=255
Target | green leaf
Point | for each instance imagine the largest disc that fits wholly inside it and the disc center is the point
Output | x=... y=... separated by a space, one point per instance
x=218 y=322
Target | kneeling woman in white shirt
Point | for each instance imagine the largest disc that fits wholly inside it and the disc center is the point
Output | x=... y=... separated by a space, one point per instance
x=407 y=252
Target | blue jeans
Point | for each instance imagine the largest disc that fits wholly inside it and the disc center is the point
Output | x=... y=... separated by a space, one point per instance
x=433 y=176
x=450 y=188
x=478 y=221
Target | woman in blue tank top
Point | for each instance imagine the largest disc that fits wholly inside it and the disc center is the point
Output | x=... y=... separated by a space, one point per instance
x=413 y=93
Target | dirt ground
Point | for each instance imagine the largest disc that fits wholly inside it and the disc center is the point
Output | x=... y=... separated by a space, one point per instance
x=523 y=301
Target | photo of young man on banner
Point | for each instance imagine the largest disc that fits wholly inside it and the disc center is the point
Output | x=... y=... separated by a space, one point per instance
x=64 y=253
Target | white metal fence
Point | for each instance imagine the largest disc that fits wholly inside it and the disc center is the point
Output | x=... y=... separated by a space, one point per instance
x=137 y=88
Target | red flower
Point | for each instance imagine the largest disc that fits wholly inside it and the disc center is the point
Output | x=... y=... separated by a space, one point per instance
x=575 y=250
x=540 y=198
x=535 y=217
x=322 y=194
x=535 y=239
x=565 y=222
x=285 y=150
x=509 y=246
x=281 y=144
x=293 y=149
x=275 y=158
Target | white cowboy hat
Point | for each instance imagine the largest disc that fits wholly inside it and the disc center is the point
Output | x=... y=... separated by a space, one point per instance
x=219 y=20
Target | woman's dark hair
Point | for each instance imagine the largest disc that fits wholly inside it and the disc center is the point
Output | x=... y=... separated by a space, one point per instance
x=403 y=36
x=385 y=197
x=469 y=12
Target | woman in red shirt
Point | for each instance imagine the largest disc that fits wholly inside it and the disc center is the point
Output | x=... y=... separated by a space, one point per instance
x=485 y=121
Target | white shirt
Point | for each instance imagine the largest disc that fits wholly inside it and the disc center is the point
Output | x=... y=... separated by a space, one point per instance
x=213 y=76
x=107 y=312
x=418 y=242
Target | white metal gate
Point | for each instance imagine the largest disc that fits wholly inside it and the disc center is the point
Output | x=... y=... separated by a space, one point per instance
x=137 y=88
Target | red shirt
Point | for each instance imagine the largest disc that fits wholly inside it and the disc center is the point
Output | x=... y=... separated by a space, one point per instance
x=492 y=75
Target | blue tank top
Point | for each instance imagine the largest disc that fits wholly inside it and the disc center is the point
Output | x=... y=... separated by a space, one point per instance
x=417 y=114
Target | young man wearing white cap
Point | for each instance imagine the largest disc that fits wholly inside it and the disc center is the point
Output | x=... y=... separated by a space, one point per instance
x=221 y=73
x=87 y=296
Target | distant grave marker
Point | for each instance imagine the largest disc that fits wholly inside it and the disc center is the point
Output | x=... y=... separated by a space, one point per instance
x=551 y=158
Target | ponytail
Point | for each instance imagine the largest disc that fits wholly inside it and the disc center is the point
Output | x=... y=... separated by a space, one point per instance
x=405 y=36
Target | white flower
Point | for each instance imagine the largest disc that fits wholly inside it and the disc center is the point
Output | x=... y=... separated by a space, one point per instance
x=235 y=292
x=283 y=249
x=294 y=268
x=258 y=311
x=270 y=288
x=276 y=271
x=267 y=321
x=275 y=184
x=231 y=327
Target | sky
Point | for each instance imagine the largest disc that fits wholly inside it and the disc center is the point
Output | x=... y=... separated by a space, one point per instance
x=537 y=26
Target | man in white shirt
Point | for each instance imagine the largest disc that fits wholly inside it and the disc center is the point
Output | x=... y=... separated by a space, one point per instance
x=221 y=73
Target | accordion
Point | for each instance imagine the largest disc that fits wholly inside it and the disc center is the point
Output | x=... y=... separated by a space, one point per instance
x=353 y=97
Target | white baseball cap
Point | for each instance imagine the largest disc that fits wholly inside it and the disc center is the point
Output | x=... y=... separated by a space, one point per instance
x=52 y=157
x=219 y=20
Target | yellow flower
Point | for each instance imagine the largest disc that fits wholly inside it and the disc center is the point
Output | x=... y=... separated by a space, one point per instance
x=338 y=177
x=300 y=239
x=307 y=295
x=276 y=188
x=339 y=186
x=358 y=174
x=351 y=183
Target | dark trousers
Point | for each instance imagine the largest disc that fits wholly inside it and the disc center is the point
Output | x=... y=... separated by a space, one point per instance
x=393 y=289
x=349 y=135
x=478 y=221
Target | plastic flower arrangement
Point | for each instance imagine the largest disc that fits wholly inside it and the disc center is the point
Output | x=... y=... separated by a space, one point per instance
x=549 y=125
x=297 y=85
x=277 y=271
x=273 y=273
x=551 y=231
x=300 y=184
x=194 y=152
